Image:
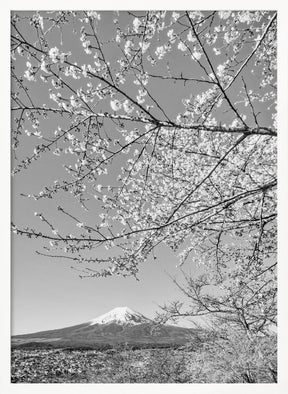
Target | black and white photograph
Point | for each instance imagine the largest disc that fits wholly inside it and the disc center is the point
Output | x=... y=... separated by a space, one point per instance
x=144 y=196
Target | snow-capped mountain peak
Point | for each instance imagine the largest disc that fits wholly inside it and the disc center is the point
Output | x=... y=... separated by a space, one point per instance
x=120 y=315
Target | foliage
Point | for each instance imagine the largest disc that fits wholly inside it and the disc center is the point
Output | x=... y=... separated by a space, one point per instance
x=229 y=356
x=165 y=125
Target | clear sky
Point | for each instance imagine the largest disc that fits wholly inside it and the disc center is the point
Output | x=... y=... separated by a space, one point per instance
x=46 y=293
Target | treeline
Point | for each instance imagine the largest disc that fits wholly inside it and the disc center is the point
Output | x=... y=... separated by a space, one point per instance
x=97 y=346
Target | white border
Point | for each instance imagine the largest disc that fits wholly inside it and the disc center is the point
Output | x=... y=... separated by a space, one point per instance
x=5 y=385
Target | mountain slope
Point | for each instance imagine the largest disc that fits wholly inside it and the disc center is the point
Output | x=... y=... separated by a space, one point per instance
x=121 y=325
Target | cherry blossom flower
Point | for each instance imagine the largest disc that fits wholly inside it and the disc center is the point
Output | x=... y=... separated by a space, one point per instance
x=144 y=46
x=128 y=107
x=196 y=54
x=191 y=37
x=94 y=15
x=115 y=105
x=182 y=46
x=44 y=68
x=37 y=20
x=224 y=14
x=136 y=24
x=160 y=52
x=175 y=16
x=127 y=48
x=53 y=54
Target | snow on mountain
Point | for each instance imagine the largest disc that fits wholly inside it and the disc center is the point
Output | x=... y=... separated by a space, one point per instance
x=121 y=315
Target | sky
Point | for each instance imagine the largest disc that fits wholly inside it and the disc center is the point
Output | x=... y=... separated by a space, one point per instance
x=17 y=302
x=47 y=293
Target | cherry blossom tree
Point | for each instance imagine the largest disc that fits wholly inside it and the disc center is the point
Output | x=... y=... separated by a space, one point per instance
x=164 y=128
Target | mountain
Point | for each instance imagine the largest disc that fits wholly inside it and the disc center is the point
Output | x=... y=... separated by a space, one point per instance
x=121 y=315
x=120 y=325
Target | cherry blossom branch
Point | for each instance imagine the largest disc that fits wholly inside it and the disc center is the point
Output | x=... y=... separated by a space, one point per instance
x=215 y=74
x=226 y=202
x=249 y=57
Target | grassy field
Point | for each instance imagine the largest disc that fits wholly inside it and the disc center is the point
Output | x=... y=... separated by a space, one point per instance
x=206 y=364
